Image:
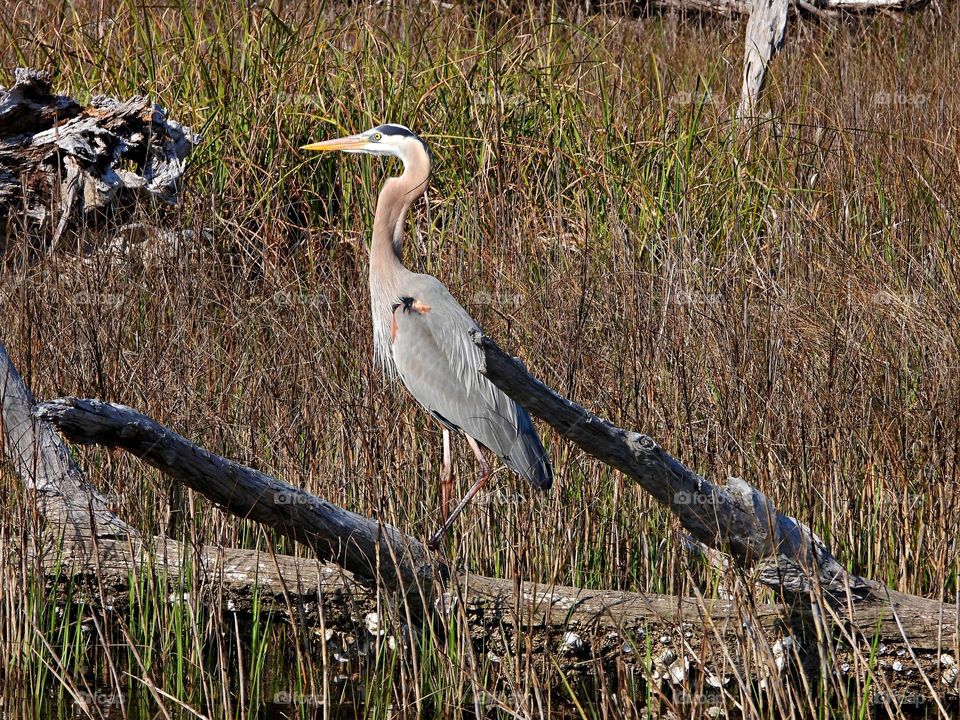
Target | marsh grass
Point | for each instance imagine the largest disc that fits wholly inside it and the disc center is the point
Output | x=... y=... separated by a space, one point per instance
x=778 y=303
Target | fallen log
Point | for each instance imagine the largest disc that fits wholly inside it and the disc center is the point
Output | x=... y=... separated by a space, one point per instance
x=60 y=161
x=778 y=550
x=44 y=466
x=370 y=550
x=736 y=518
x=84 y=539
x=568 y=621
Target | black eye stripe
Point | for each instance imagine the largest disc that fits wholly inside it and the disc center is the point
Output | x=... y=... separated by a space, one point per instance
x=398 y=130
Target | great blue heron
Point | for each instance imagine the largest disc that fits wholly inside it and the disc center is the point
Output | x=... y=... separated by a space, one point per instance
x=421 y=333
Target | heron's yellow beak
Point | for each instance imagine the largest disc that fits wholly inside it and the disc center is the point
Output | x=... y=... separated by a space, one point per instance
x=351 y=142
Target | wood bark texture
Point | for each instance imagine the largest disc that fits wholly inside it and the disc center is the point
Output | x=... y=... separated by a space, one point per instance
x=745 y=7
x=370 y=550
x=60 y=161
x=737 y=518
x=764 y=38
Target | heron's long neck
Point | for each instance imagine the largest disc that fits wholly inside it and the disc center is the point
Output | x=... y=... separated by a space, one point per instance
x=386 y=268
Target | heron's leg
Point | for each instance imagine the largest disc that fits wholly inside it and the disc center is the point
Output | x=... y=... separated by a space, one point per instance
x=485 y=471
x=446 y=476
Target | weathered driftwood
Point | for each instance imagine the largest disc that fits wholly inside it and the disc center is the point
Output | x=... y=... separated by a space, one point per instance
x=60 y=161
x=764 y=38
x=573 y=622
x=370 y=550
x=86 y=537
x=82 y=535
x=745 y=7
x=736 y=518
x=778 y=550
x=766 y=28
x=44 y=464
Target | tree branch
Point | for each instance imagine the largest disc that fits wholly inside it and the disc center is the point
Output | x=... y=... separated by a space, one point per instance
x=372 y=551
x=736 y=518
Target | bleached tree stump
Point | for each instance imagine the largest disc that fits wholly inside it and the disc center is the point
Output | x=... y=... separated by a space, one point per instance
x=745 y=7
x=765 y=31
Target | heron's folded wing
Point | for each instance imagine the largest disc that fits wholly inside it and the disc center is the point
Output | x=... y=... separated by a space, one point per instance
x=440 y=365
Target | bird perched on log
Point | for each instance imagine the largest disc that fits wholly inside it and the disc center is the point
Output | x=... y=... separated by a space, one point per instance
x=422 y=334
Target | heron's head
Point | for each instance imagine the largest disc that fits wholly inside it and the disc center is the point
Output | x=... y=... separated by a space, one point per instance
x=393 y=140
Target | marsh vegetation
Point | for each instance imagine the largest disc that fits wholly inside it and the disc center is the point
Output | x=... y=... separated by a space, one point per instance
x=779 y=303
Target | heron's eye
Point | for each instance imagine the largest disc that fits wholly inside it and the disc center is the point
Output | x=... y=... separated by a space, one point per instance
x=377 y=137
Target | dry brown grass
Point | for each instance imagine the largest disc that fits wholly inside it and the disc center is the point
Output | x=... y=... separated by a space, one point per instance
x=781 y=305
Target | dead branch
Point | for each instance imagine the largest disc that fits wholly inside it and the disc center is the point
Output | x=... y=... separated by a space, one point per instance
x=43 y=463
x=735 y=518
x=370 y=550
x=572 y=622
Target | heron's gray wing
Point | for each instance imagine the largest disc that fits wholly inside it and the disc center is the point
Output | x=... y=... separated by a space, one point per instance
x=439 y=364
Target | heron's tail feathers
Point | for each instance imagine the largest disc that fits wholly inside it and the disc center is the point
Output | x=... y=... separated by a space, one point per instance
x=527 y=457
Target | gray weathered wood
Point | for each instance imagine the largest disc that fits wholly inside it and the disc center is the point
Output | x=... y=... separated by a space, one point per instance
x=44 y=464
x=736 y=517
x=602 y=620
x=60 y=160
x=764 y=38
x=744 y=7
x=371 y=550
x=702 y=507
x=83 y=534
